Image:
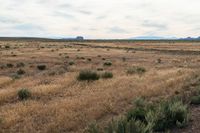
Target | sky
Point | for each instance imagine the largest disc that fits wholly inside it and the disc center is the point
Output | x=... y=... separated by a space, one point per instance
x=100 y=19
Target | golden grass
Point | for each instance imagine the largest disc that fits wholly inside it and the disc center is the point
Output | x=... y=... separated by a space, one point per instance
x=60 y=103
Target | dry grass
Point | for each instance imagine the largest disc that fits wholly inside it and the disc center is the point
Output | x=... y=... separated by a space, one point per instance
x=60 y=103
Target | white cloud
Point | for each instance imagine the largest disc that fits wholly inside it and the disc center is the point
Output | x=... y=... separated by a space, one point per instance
x=99 y=18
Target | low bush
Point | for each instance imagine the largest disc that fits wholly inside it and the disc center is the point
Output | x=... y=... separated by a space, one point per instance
x=41 y=67
x=107 y=63
x=21 y=72
x=107 y=75
x=99 y=69
x=136 y=70
x=7 y=47
x=89 y=59
x=9 y=65
x=24 y=94
x=88 y=75
x=71 y=63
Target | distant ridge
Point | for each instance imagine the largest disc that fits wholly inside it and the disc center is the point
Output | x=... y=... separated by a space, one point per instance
x=152 y=38
x=190 y=38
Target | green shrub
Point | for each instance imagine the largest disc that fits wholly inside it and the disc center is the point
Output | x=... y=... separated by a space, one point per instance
x=93 y=128
x=168 y=115
x=147 y=118
x=195 y=100
x=136 y=114
x=136 y=70
x=24 y=94
x=107 y=75
x=107 y=63
x=41 y=67
x=88 y=75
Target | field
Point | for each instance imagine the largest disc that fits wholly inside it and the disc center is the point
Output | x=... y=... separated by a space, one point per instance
x=61 y=103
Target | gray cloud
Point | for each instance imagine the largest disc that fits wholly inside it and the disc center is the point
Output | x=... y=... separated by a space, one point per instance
x=117 y=29
x=100 y=19
x=156 y=25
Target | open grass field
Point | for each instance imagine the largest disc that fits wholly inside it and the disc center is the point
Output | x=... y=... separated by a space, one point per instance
x=59 y=102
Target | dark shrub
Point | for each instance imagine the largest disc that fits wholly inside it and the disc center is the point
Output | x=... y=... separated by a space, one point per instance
x=9 y=65
x=99 y=69
x=107 y=75
x=24 y=94
x=89 y=59
x=195 y=100
x=87 y=75
x=83 y=58
x=137 y=114
x=41 y=67
x=123 y=59
x=21 y=72
x=71 y=63
x=7 y=47
x=159 y=60
x=107 y=63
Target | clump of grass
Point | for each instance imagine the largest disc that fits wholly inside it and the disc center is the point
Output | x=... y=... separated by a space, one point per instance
x=195 y=100
x=107 y=63
x=20 y=64
x=21 y=72
x=41 y=67
x=24 y=94
x=107 y=75
x=136 y=70
x=88 y=75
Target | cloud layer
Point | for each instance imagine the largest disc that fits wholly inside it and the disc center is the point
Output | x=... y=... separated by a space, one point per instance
x=99 y=18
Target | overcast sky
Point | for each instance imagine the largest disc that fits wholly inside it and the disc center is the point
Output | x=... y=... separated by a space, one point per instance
x=100 y=18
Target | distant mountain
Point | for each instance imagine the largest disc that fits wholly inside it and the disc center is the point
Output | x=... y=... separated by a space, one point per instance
x=152 y=38
x=190 y=38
